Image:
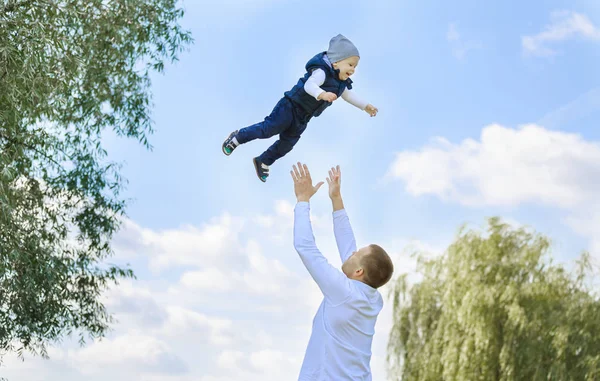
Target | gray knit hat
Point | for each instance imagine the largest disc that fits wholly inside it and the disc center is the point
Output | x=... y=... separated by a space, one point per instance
x=341 y=48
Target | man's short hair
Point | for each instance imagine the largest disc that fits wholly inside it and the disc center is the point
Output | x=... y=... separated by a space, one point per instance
x=378 y=266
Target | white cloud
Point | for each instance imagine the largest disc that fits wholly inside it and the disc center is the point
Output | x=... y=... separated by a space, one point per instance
x=213 y=243
x=511 y=167
x=230 y=359
x=210 y=278
x=267 y=361
x=565 y=25
x=459 y=46
x=281 y=222
x=263 y=364
x=194 y=324
x=505 y=167
x=127 y=301
x=134 y=352
x=128 y=353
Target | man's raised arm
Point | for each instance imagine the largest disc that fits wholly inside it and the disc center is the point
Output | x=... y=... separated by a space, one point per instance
x=344 y=235
x=332 y=282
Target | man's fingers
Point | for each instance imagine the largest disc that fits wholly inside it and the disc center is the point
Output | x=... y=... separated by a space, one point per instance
x=300 y=170
x=293 y=176
x=296 y=172
x=318 y=186
x=334 y=173
x=306 y=171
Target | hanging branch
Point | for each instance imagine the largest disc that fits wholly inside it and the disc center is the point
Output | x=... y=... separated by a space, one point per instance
x=12 y=6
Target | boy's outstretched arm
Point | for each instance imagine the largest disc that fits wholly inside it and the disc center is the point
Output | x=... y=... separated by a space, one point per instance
x=351 y=97
x=312 y=86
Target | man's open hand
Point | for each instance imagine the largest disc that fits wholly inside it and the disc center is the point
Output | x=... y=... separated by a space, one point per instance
x=303 y=186
x=334 y=181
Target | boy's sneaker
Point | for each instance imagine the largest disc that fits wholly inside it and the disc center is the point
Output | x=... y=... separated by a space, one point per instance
x=230 y=143
x=262 y=170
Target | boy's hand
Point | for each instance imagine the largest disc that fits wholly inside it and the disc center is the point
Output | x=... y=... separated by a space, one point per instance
x=371 y=110
x=334 y=181
x=327 y=96
x=303 y=183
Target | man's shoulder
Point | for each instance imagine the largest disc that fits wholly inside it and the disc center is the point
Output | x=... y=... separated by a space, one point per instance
x=362 y=291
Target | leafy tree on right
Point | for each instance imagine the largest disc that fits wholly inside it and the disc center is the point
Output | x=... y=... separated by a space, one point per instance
x=495 y=307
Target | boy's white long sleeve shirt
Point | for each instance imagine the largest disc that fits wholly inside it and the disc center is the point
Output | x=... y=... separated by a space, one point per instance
x=342 y=333
x=313 y=84
x=313 y=87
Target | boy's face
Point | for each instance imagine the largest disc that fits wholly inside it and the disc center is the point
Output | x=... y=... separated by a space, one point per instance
x=346 y=67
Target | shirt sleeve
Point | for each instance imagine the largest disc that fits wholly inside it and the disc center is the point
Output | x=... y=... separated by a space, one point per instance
x=313 y=84
x=334 y=284
x=344 y=235
x=351 y=97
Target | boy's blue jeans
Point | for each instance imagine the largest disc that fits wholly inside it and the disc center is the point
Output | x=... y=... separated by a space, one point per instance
x=287 y=120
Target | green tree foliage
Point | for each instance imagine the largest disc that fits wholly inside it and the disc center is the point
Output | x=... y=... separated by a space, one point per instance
x=495 y=307
x=69 y=70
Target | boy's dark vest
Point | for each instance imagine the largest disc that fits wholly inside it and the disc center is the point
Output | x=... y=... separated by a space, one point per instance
x=332 y=84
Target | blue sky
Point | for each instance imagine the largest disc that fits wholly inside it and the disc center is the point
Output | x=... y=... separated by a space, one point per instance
x=485 y=109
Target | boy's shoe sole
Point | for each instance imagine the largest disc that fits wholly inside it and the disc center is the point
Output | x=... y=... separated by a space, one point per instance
x=256 y=168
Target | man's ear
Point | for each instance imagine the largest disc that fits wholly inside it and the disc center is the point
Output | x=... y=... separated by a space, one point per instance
x=359 y=271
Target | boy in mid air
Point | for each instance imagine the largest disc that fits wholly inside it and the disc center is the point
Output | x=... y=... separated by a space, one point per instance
x=327 y=78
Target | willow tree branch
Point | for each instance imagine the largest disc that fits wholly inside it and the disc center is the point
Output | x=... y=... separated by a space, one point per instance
x=29 y=146
x=13 y=5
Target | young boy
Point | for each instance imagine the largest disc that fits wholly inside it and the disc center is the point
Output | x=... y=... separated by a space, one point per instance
x=327 y=78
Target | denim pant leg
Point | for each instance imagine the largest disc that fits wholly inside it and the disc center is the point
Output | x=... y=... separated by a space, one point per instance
x=278 y=121
x=287 y=141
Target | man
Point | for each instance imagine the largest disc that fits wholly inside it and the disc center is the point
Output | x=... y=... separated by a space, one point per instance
x=340 y=344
